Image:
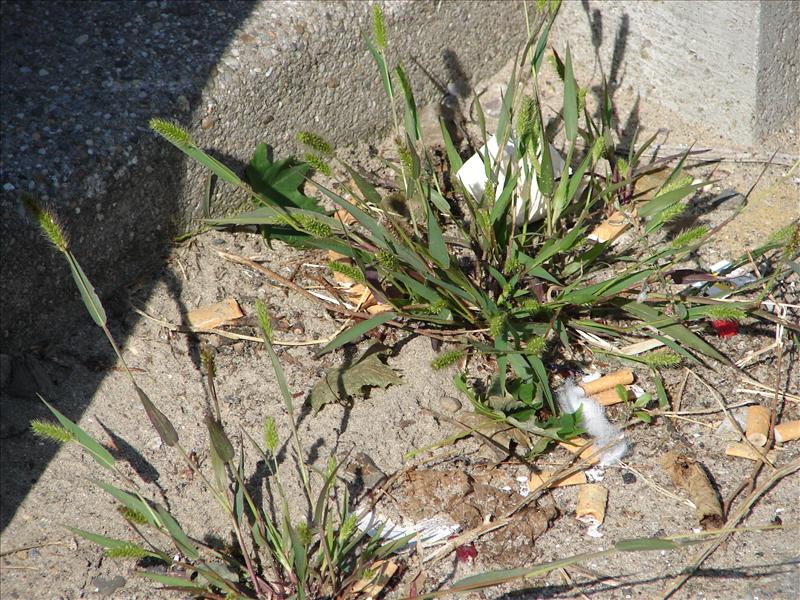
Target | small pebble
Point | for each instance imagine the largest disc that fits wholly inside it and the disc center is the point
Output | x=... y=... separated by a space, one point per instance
x=81 y=39
x=628 y=477
x=207 y=123
x=450 y=404
x=43 y=72
x=8 y=187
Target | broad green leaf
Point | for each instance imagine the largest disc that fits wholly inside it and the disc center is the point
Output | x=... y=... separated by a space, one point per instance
x=98 y=452
x=90 y=299
x=436 y=245
x=357 y=331
x=342 y=383
x=279 y=181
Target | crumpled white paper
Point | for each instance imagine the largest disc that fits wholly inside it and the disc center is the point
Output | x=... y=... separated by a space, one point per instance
x=473 y=175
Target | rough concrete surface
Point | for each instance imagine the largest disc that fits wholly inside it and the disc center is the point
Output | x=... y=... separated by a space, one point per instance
x=82 y=79
x=732 y=66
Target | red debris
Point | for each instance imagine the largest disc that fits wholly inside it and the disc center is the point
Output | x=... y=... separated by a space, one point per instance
x=725 y=328
x=466 y=553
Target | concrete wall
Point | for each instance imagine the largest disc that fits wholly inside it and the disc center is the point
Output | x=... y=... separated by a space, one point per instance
x=81 y=79
x=727 y=65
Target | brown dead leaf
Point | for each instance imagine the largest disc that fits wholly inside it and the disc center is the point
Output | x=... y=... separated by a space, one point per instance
x=690 y=476
x=214 y=315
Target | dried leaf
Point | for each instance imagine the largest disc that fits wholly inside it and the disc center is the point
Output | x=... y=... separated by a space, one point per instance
x=341 y=383
x=214 y=315
x=690 y=476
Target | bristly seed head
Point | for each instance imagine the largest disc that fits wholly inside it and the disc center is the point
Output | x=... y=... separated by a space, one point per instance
x=318 y=163
x=387 y=259
x=727 y=313
x=663 y=358
x=172 y=132
x=497 y=325
x=51 y=431
x=271 y=439
x=536 y=345
x=315 y=142
x=446 y=359
x=379 y=27
x=263 y=320
x=47 y=223
x=690 y=236
x=349 y=271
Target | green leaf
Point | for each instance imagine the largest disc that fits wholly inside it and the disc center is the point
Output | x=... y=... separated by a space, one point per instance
x=570 y=100
x=279 y=181
x=452 y=154
x=100 y=540
x=90 y=299
x=664 y=201
x=646 y=545
x=357 y=331
x=436 y=245
x=411 y=118
x=183 y=542
x=159 y=420
x=219 y=439
x=667 y=326
x=128 y=500
x=661 y=392
x=342 y=383
x=100 y=454
x=384 y=72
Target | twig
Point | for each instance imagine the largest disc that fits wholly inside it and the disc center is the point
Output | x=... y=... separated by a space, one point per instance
x=732 y=522
x=733 y=422
x=657 y=487
x=226 y=334
x=31 y=547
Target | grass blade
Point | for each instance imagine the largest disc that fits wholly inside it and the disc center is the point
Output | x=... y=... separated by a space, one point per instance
x=90 y=299
x=100 y=454
x=357 y=331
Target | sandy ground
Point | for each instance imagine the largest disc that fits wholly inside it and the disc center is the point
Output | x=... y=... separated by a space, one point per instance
x=40 y=558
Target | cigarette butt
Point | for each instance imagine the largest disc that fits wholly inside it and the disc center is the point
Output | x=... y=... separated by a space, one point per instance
x=592 y=500
x=757 y=426
x=623 y=377
x=690 y=476
x=609 y=397
x=787 y=431
x=741 y=450
x=582 y=448
x=610 y=228
x=537 y=479
x=214 y=315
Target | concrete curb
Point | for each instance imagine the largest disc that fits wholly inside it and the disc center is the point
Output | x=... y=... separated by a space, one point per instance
x=81 y=79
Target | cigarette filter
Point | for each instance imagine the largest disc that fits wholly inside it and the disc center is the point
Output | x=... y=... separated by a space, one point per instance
x=623 y=377
x=757 y=427
x=536 y=480
x=592 y=500
x=787 y=431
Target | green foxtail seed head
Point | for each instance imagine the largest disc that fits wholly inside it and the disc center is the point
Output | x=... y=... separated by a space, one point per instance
x=128 y=551
x=681 y=180
x=497 y=325
x=263 y=320
x=207 y=361
x=318 y=163
x=623 y=167
x=51 y=432
x=673 y=212
x=330 y=469
x=47 y=223
x=598 y=148
x=663 y=358
x=387 y=259
x=436 y=307
x=349 y=271
x=314 y=228
x=783 y=235
x=304 y=533
x=315 y=142
x=689 y=237
x=405 y=155
x=134 y=516
x=726 y=313
x=348 y=526
x=582 y=99
x=536 y=345
x=512 y=264
x=532 y=306
x=446 y=359
x=526 y=117
x=379 y=27
x=172 y=132
x=271 y=440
